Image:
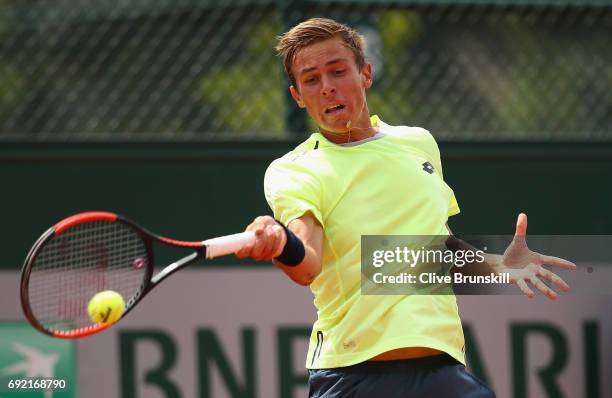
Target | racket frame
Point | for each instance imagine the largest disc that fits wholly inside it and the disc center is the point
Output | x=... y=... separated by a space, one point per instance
x=149 y=280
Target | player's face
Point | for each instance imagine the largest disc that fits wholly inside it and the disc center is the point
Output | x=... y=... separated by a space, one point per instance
x=331 y=87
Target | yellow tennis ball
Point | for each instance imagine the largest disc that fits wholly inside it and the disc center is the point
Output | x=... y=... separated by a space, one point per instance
x=106 y=307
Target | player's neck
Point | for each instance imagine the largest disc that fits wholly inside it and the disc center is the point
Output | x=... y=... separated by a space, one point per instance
x=351 y=134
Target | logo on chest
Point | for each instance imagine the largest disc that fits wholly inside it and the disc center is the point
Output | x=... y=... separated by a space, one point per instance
x=428 y=167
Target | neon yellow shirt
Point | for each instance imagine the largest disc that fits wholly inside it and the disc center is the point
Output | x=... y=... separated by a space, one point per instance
x=377 y=186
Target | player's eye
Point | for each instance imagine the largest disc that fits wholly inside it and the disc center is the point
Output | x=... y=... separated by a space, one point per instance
x=339 y=72
x=310 y=80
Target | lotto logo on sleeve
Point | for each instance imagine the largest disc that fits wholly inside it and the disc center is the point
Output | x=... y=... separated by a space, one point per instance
x=32 y=364
x=428 y=167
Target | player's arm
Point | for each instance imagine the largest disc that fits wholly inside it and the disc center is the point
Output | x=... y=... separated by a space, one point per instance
x=490 y=263
x=272 y=242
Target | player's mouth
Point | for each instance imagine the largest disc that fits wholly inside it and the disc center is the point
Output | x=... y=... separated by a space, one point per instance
x=334 y=108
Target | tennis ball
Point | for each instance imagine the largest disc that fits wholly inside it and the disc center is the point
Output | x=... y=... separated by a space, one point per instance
x=106 y=307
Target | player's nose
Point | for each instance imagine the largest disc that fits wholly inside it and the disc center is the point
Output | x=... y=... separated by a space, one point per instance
x=327 y=88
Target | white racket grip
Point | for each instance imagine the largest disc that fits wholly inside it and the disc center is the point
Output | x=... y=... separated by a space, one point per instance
x=227 y=244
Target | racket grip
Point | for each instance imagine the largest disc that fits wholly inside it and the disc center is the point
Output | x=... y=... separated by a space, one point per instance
x=227 y=244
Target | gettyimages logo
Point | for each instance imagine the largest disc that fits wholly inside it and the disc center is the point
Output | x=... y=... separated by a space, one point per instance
x=483 y=264
x=34 y=365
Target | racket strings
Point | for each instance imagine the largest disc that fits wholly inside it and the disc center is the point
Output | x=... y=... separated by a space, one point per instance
x=80 y=262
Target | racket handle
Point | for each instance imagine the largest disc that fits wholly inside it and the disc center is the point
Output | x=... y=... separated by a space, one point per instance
x=227 y=244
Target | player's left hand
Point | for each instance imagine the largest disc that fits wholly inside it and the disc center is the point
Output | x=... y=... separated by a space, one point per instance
x=525 y=265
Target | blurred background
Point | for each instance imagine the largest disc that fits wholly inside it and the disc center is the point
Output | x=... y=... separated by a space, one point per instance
x=193 y=69
x=168 y=112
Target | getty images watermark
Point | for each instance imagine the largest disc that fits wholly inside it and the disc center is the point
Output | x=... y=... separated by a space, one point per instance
x=426 y=265
x=423 y=258
x=400 y=264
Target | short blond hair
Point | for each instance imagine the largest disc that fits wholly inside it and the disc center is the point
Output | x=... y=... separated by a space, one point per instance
x=315 y=30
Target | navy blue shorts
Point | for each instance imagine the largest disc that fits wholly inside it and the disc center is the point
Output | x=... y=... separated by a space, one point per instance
x=438 y=376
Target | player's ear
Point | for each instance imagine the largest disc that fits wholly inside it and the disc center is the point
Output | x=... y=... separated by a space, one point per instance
x=295 y=94
x=366 y=75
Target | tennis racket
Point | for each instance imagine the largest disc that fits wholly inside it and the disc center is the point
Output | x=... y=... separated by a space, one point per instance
x=95 y=251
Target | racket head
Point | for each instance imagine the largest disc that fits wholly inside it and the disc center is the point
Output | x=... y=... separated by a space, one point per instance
x=76 y=258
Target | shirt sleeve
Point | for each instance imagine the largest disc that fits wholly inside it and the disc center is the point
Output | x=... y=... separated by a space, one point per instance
x=292 y=191
x=434 y=153
x=453 y=207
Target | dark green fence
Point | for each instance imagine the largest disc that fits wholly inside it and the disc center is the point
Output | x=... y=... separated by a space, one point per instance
x=187 y=69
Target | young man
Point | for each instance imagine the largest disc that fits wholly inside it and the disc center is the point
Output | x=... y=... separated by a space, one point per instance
x=360 y=176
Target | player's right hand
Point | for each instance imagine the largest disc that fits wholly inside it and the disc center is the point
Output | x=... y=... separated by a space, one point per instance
x=270 y=239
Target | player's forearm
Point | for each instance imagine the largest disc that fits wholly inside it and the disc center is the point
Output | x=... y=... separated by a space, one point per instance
x=305 y=272
x=296 y=249
x=310 y=234
x=473 y=267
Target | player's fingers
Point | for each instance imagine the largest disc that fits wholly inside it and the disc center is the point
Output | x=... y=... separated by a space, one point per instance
x=279 y=242
x=264 y=245
x=248 y=249
x=541 y=286
x=524 y=288
x=263 y=221
x=554 y=278
x=259 y=245
x=260 y=223
x=557 y=262
x=521 y=225
x=259 y=226
x=245 y=251
x=268 y=246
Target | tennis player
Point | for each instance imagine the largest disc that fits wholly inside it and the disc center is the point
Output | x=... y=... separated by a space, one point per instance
x=361 y=176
